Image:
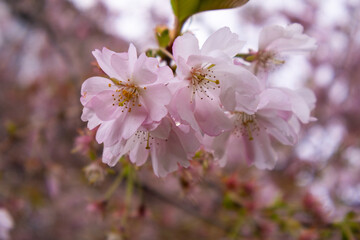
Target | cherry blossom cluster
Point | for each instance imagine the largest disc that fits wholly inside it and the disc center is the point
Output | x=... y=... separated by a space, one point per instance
x=216 y=100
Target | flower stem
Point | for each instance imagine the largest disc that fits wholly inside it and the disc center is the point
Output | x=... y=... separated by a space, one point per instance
x=114 y=186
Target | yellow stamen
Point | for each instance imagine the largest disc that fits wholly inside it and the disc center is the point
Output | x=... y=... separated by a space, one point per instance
x=147 y=141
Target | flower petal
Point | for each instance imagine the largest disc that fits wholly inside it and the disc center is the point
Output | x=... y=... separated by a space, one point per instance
x=278 y=128
x=264 y=155
x=167 y=155
x=217 y=145
x=210 y=117
x=132 y=122
x=239 y=88
x=102 y=105
x=104 y=60
x=189 y=140
x=121 y=66
x=132 y=57
x=112 y=154
x=154 y=98
x=185 y=45
x=144 y=70
x=93 y=86
x=182 y=107
x=274 y=98
x=286 y=40
x=222 y=43
x=89 y=116
x=138 y=152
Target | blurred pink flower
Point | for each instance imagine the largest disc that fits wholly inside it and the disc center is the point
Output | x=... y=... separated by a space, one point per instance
x=133 y=95
x=84 y=140
x=286 y=40
x=94 y=173
x=276 y=42
x=6 y=224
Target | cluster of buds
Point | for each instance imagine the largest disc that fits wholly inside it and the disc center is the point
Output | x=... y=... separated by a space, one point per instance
x=212 y=101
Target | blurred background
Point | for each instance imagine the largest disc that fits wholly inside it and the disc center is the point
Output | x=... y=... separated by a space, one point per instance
x=54 y=186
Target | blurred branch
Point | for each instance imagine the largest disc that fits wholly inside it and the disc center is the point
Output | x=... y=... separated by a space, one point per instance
x=186 y=207
x=34 y=13
x=35 y=19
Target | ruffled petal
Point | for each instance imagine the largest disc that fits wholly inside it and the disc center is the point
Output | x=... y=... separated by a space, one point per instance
x=183 y=71
x=104 y=60
x=104 y=131
x=138 y=152
x=274 y=98
x=145 y=70
x=93 y=86
x=222 y=43
x=262 y=154
x=121 y=67
x=185 y=45
x=112 y=154
x=269 y=34
x=167 y=155
x=154 y=98
x=278 y=128
x=182 y=107
x=102 y=105
x=189 y=139
x=122 y=127
x=288 y=40
x=165 y=75
x=162 y=131
x=210 y=117
x=89 y=116
x=132 y=122
x=300 y=106
x=239 y=89
x=132 y=58
x=217 y=145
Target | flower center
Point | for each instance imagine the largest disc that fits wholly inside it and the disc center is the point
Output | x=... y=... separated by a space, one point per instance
x=126 y=96
x=267 y=60
x=203 y=80
x=245 y=125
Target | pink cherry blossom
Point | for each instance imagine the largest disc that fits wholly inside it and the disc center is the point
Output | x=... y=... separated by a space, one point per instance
x=277 y=115
x=133 y=95
x=277 y=42
x=6 y=223
x=207 y=81
x=168 y=146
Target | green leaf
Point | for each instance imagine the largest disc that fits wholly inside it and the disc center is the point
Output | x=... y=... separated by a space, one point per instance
x=163 y=37
x=206 y=5
x=183 y=9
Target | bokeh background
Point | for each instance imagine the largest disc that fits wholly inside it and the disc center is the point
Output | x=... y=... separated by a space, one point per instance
x=52 y=181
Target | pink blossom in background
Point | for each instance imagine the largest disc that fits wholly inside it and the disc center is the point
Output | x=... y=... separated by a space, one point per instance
x=6 y=224
x=277 y=42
